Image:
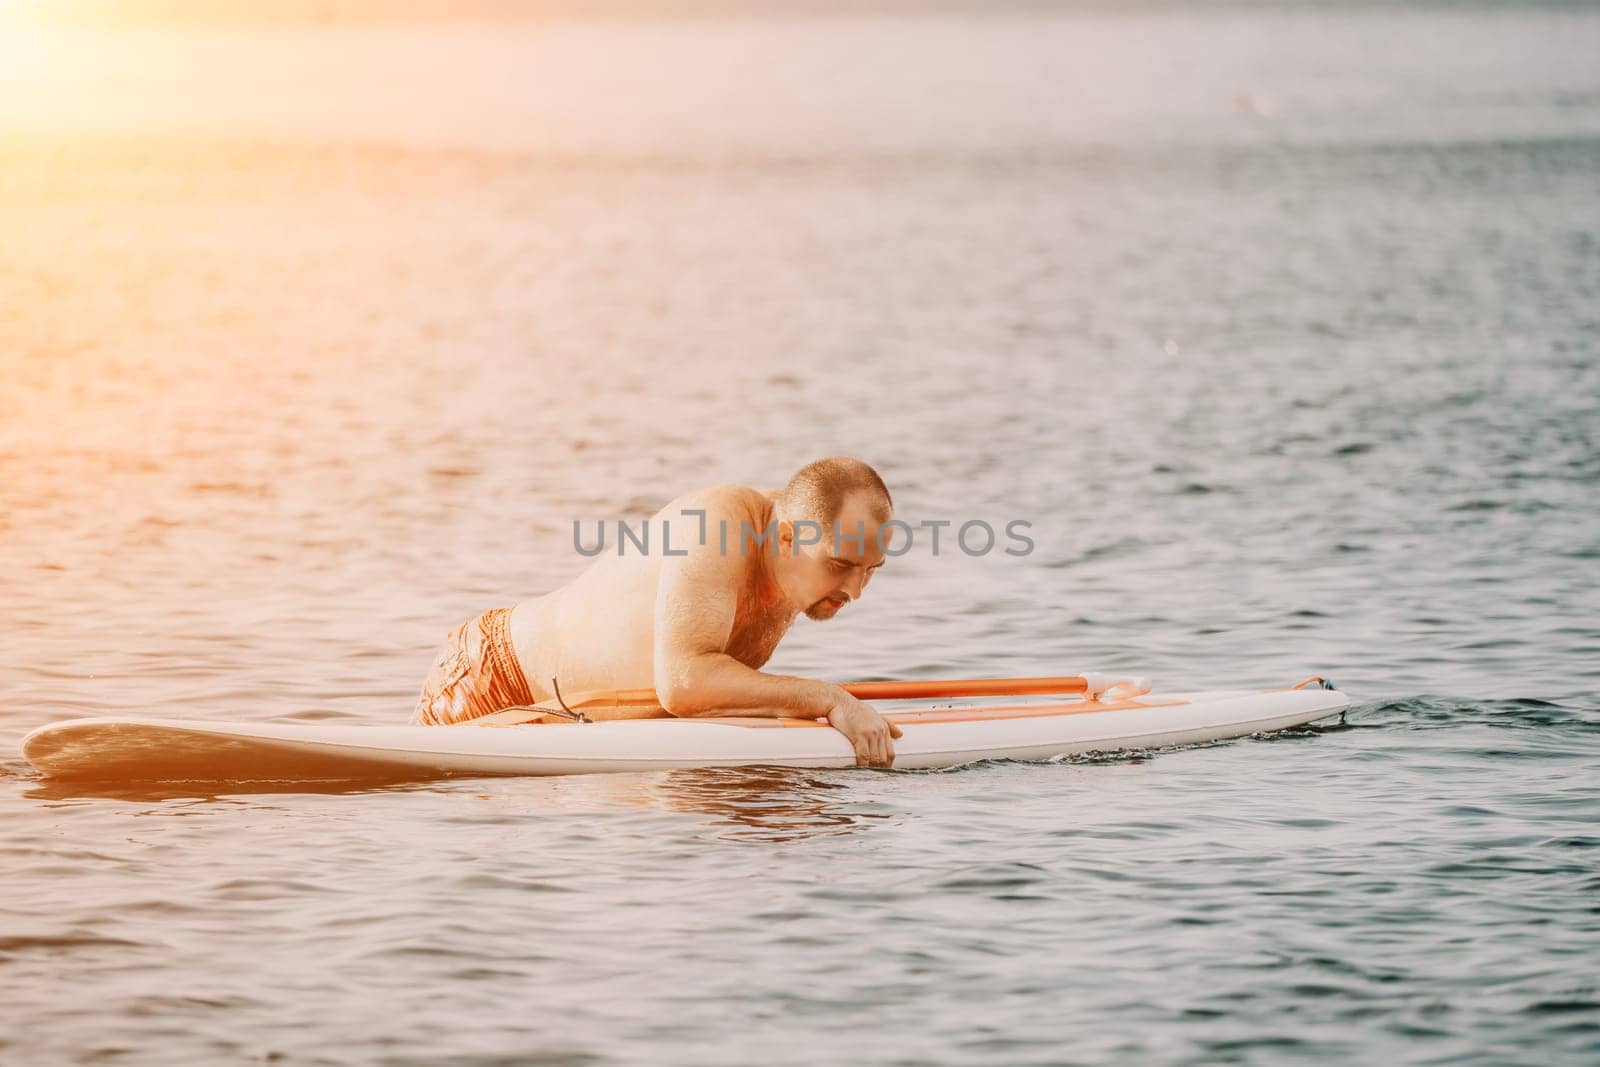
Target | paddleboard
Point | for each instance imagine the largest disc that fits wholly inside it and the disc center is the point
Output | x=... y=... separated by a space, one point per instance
x=154 y=750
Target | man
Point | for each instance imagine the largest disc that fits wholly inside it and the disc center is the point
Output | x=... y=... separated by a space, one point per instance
x=695 y=611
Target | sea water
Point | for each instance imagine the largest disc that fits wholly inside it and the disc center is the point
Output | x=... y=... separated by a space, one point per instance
x=1276 y=325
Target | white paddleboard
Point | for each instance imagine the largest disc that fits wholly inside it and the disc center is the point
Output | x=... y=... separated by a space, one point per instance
x=154 y=750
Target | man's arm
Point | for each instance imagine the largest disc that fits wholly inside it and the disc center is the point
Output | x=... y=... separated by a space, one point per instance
x=695 y=606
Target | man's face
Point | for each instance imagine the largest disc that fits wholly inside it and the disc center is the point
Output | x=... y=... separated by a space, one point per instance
x=834 y=572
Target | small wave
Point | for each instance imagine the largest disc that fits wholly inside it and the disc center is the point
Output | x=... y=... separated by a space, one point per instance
x=253 y=489
x=995 y=876
x=1513 y=712
x=63 y=942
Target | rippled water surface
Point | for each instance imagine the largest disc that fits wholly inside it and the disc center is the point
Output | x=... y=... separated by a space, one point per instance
x=1280 y=327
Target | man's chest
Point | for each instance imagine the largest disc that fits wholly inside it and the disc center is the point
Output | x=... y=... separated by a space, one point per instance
x=756 y=633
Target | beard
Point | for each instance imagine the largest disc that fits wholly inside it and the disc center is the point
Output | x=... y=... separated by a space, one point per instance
x=824 y=609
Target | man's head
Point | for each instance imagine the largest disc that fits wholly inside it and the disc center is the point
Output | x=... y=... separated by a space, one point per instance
x=830 y=520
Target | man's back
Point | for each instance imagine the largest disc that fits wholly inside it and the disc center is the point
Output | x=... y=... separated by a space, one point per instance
x=598 y=630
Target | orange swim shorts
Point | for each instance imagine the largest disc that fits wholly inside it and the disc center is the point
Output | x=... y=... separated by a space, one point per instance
x=475 y=674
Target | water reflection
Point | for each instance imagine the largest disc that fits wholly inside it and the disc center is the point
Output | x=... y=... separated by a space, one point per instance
x=775 y=804
x=93 y=789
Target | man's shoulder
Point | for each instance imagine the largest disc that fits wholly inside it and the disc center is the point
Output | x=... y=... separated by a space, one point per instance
x=723 y=517
x=725 y=501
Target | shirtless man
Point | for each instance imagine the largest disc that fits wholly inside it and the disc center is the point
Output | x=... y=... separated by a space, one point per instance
x=694 y=615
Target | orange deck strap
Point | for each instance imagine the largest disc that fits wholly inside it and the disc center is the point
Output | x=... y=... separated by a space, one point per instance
x=966 y=687
x=603 y=704
x=926 y=689
x=1017 y=711
x=613 y=698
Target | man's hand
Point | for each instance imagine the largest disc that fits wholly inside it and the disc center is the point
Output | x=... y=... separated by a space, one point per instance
x=869 y=732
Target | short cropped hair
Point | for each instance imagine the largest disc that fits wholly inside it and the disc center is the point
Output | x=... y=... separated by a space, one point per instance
x=817 y=490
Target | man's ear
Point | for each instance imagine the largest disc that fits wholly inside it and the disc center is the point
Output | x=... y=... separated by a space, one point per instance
x=786 y=536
